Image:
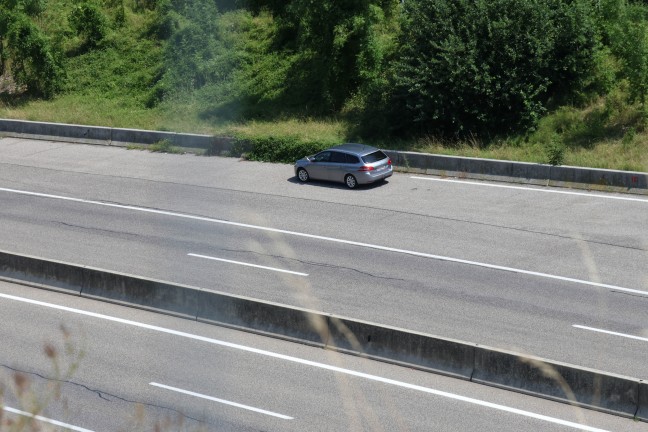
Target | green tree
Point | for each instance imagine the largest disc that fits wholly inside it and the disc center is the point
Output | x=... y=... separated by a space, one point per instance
x=487 y=67
x=332 y=49
x=625 y=32
x=89 y=22
x=34 y=62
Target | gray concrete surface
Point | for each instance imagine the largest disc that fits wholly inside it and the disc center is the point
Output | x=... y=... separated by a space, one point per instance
x=642 y=412
x=110 y=136
x=462 y=167
x=109 y=389
x=513 y=371
x=581 y=236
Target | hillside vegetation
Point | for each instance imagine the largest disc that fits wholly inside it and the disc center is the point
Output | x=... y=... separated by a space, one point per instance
x=552 y=81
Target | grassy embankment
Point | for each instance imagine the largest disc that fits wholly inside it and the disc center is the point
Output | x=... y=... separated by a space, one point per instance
x=111 y=86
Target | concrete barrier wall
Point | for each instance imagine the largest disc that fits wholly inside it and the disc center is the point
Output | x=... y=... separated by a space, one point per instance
x=418 y=163
x=144 y=293
x=111 y=136
x=55 y=275
x=557 y=381
x=519 y=172
x=264 y=317
x=56 y=131
x=129 y=136
x=642 y=411
x=400 y=346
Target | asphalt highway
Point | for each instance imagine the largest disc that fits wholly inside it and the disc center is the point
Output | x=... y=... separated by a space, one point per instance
x=85 y=365
x=554 y=273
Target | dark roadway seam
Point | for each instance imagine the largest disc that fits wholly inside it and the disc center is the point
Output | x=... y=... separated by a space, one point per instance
x=317 y=201
x=315 y=264
x=98 y=229
x=101 y=394
x=630 y=294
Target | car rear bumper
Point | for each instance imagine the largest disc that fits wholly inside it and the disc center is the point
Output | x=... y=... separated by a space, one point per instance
x=372 y=176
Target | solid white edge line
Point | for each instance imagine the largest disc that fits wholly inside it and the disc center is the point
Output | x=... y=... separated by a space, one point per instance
x=591 y=195
x=307 y=362
x=610 y=332
x=331 y=239
x=44 y=419
x=247 y=264
x=223 y=401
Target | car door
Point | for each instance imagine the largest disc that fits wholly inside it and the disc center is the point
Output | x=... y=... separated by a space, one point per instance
x=318 y=168
x=337 y=166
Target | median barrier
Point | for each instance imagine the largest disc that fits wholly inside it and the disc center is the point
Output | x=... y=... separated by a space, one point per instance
x=525 y=374
x=642 y=411
x=402 y=347
x=53 y=275
x=557 y=381
x=291 y=323
x=144 y=293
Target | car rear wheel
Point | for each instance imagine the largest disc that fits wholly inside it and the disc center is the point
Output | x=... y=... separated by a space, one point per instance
x=350 y=181
x=302 y=175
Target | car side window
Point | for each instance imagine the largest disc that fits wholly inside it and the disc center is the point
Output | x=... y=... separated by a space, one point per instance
x=338 y=157
x=322 y=157
x=350 y=159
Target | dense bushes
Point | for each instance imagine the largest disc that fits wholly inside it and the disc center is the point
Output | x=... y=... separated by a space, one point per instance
x=445 y=68
x=35 y=64
x=89 y=22
x=327 y=51
x=487 y=67
x=284 y=149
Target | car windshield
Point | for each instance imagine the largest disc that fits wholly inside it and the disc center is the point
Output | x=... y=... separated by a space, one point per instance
x=374 y=157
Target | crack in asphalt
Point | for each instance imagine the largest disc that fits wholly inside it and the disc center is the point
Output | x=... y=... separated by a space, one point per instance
x=121 y=233
x=643 y=297
x=315 y=264
x=102 y=393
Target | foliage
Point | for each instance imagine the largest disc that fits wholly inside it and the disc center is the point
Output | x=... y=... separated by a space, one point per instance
x=487 y=67
x=326 y=52
x=285 y=149
x=500 y=78
x=34 y=62
x=89 y=22
x=555 y=151
x=625 y=30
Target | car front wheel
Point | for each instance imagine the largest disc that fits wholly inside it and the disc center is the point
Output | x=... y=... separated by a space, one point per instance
x=302 y=175
x=350 y=181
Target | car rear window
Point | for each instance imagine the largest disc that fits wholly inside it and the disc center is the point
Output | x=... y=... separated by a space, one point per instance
x=374 y=157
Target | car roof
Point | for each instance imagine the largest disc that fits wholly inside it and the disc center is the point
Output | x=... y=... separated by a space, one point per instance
x=358 y=149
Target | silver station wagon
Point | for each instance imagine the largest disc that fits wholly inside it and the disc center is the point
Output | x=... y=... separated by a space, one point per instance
x=351 y=164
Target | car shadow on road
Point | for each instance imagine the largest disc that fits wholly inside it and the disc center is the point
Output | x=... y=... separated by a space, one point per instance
x=341 y=186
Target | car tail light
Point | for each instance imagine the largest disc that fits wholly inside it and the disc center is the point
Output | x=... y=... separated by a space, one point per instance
x=366 y=168
x=389 y=162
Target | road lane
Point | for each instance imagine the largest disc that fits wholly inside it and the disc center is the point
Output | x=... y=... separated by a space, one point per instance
x=590 y=239
x=126 y=349
x=552 y=234
x=521 y=312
